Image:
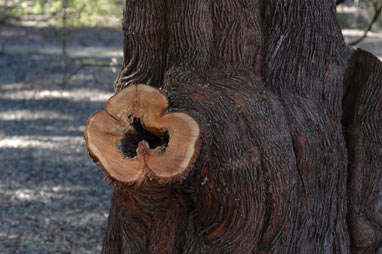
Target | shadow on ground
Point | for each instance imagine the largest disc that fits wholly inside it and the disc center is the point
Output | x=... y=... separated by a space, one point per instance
x=52 y=196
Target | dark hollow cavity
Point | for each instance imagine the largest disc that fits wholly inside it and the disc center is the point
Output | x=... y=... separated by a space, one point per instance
x=129 y=143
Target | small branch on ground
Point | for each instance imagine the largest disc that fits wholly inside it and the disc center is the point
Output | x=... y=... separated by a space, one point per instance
x=83 y=64
x=101 y=63
x=66 y=75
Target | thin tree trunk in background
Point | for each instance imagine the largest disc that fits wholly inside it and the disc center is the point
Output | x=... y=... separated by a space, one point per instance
x=290 y=158
x=377 y=13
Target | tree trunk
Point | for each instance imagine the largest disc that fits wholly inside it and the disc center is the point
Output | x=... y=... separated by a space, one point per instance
x=290 y=157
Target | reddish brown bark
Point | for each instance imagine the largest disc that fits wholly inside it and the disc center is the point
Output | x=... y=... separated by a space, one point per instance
x=363 y=120
x=284 y=166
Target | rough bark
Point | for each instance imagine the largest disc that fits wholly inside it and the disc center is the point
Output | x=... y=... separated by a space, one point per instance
x=363 y=121
x=278 y=121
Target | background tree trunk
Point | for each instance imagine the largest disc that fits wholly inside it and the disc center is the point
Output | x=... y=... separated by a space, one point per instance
x=290 y=158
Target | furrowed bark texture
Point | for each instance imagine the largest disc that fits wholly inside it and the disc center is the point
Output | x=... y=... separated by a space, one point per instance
x=363 y=120
x=265 y=82
x=305 y=67
x=144 y=43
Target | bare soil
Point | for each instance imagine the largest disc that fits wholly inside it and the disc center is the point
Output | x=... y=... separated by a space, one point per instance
x=52 y=196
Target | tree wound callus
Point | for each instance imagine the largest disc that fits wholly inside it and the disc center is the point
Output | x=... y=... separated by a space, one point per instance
x=134 y=137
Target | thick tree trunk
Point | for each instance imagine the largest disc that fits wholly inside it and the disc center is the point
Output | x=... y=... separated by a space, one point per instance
x=290 y=157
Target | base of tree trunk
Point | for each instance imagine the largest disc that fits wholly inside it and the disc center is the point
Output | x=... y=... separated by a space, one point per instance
x=289 y=157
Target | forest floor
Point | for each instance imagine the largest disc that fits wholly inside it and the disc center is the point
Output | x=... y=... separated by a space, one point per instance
x=52 y=196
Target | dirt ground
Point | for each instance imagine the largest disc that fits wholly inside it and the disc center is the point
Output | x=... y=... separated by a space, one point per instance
x=52 y=196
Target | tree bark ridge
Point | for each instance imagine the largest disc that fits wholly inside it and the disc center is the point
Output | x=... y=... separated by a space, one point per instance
x=304 y=65
x=362 y=119
x=144 y=43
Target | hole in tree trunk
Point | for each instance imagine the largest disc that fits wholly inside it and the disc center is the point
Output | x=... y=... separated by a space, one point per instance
x=129 y=143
